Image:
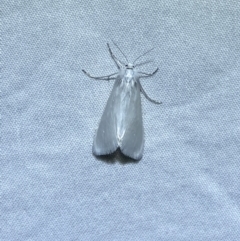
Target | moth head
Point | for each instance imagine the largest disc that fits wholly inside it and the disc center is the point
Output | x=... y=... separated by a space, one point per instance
x=129 y=66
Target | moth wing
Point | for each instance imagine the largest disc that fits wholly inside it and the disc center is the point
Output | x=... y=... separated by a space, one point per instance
x=133 y=139
x=105 y=141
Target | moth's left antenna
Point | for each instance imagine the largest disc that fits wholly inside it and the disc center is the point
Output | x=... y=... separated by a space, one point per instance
x=120 y=51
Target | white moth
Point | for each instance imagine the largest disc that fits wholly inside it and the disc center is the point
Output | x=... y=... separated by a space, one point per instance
x=121 y=124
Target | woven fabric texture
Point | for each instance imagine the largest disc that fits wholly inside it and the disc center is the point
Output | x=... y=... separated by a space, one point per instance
x=186 y=186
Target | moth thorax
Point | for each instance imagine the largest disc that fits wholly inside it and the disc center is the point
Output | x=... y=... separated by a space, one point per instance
x=129 y=80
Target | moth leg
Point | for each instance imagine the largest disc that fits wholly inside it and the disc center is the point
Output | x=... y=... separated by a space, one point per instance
x=147 y=97
x=149 y=74
x=105 y=77
x=115 y=59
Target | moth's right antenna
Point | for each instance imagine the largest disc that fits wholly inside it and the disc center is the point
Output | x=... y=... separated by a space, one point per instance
x=143 y=63
x=142 y=55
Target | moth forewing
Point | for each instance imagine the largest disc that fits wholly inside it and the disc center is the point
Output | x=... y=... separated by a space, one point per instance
x=133 y=139
x=105 y=141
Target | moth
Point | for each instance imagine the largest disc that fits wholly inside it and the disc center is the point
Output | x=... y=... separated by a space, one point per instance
x=121 y=125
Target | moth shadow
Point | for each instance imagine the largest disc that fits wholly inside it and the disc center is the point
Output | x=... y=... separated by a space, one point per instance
x=116 y=156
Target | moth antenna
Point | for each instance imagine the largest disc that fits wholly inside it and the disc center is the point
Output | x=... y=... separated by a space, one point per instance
x=121 y=51
x=142 y=55
x=143 y=63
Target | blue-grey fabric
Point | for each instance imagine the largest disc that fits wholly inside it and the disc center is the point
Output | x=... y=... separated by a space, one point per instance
x=186 y=186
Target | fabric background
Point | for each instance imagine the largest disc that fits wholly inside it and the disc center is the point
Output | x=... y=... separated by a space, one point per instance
x=186 y=187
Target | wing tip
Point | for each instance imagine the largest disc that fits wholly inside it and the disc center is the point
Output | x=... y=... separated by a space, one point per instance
x=136 y=155
x=100 y=151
